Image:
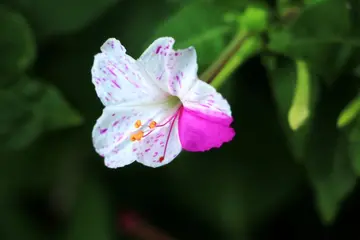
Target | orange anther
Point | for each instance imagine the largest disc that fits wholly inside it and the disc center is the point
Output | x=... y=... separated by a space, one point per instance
x=139 y=135
x=152 y=124
x=138 y=123
x=132 y=138
x=161 y=159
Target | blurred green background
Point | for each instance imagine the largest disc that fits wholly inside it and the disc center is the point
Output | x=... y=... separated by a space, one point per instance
x=291 y=171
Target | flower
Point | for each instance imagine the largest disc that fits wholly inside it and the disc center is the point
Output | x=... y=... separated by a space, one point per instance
x=155 y=106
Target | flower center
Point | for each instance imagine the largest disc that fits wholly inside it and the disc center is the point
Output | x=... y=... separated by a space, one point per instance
x=173 y=101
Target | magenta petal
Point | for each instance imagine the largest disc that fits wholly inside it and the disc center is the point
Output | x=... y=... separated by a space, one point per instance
x=200 y=132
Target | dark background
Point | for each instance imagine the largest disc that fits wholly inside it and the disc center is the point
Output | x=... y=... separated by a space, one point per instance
x=54 y=186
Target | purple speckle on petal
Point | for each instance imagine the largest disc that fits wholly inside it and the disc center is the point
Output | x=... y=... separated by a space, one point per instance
x=158 y=49
x=116 y=84
x=104 y=130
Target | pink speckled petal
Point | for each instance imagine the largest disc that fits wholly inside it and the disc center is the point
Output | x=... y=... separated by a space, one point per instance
x=200 y=132
x=204 y=97
x=111 y=133
x=120 y=156
x=118 y=78
x=163 y=144
x=205 y=119
x=174 y=71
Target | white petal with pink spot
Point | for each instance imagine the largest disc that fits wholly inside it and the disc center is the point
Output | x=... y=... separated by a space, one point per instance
x=174 y=71
x=118 y=79
x=204 y=97
x=112 y=132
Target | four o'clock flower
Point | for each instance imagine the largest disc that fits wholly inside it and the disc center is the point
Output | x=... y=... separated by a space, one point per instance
x=155 y=106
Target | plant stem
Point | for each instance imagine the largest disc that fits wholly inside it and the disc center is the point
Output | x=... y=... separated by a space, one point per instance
x=215 y=68
x=218 y=71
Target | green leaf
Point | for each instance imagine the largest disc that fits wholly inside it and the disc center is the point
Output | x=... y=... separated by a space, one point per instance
x=349 y=113
x=91 y=220
x=310 y=2
x=234 y=5
x=13 y=111
x=17 y=44
x=353 y=6
x=325 y=20
x=333 y=188
x=29 y=108
x=56 y=112
x=198 y=24
x=279 y=41
x=327 y=160
x=283 y=74
x=287 y=8
x=300 y=108
x=354 y=142
x=26 y=133
x=61 y=17
x=319 y=36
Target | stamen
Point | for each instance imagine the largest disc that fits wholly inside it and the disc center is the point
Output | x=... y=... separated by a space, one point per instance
x=137 y=136
x=152 y=124
x=161 y=125
x=168 y=137
x=138 y=123
x=148 y=133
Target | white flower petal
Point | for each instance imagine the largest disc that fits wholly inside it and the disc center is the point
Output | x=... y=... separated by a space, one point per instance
x=204 y=98
x=162 y=145
x=112 y=131
x=174 y=71
x=120 y=157
x=118 y=79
